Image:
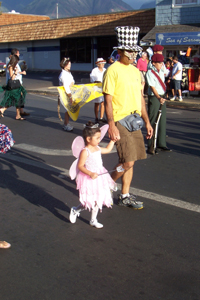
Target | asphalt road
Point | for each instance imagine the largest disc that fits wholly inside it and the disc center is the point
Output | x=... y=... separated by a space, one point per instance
x=148 y=254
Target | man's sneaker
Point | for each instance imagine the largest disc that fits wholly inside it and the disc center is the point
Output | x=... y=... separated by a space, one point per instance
x=128 y=202
x=96 y=224
x=68 y=127
x=133 y=198
x=73 y=215
x=173 y=98
x=180 y=99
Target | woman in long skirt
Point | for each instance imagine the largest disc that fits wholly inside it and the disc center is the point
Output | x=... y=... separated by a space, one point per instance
x=14 y=97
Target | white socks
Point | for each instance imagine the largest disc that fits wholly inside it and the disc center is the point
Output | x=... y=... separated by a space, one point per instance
x=125 y=195
x=94 y=221
x=75 y=212
x=94 y=213
x=79 y=208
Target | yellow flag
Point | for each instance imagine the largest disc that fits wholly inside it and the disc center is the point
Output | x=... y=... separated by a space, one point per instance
x=81 y=94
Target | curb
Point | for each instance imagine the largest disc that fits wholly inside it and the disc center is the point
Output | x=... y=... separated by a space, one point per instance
x=42 y=92
x=172 y=104
x=184 y=105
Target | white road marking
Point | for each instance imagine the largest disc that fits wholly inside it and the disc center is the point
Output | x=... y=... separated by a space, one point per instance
x=145 y=194
x=44 y=151
x=37 y=164
x=166 y=200
x=53 y=152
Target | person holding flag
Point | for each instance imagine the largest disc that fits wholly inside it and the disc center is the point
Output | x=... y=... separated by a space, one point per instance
x=66 y=79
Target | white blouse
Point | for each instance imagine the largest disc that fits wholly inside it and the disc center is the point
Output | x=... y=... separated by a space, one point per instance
x=65 y=79
x=17 y=70
x=18 y=76
x=97 y=75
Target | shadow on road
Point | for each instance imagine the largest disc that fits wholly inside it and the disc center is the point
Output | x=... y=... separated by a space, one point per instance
x=188 y=142
x=33 y=193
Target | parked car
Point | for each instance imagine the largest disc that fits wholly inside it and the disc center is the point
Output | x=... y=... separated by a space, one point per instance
x=2 y=68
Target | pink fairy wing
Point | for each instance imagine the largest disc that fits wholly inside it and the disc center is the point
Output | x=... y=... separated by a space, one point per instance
x=73 y=171
x=77 y=146
x=104 y=129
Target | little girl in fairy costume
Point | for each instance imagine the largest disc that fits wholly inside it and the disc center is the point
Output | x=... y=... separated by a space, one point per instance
x=94 y=188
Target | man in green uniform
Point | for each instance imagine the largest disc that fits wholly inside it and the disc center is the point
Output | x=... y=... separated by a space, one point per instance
x=156 y=97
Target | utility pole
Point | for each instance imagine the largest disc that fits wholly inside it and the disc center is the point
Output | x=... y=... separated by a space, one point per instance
x=57 y=10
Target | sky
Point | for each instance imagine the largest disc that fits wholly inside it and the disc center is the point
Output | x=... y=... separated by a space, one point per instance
x=136 y=4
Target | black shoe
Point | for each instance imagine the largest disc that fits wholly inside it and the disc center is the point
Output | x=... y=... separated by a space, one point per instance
x=165 y=149
x=96 y=120
x=102 y=120
x=152 y=152
x=128 y=202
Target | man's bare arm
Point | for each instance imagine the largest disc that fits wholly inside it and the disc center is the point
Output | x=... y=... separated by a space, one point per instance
x=146 y=119
x=113 y=132
x=174 y=76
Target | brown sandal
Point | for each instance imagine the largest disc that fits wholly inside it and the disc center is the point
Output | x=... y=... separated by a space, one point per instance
x=21 y=119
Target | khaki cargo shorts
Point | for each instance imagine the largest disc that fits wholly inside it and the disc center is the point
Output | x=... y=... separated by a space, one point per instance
x=131 y=146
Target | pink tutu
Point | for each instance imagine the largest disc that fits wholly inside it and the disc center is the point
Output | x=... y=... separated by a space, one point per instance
x=95 y=191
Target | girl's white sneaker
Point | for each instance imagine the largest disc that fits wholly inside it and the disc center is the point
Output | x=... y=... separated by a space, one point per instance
x=68 y=127
x=96 y=224
x=73 y=215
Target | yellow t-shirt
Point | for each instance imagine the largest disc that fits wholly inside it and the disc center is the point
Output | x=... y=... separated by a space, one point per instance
x=123 y=82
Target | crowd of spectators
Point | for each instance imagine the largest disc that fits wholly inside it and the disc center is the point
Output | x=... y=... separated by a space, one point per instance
x=175 y=76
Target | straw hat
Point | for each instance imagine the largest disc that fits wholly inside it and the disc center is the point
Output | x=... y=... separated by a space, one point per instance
x=100 y=61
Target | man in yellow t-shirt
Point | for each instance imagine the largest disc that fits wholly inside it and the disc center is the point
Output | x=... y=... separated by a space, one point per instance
x=117 y=74
x=123 y=95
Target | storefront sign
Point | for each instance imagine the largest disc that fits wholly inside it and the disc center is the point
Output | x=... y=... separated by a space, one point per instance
x=178 y=38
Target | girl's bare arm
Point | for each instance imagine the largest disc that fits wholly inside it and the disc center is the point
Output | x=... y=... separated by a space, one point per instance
x=108 y=148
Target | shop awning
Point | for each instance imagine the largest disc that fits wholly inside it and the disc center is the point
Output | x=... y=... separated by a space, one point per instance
x=172 y=35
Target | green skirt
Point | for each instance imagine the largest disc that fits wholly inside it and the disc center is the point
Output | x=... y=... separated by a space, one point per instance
x=14 y=97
